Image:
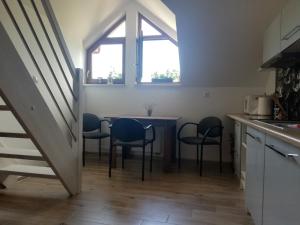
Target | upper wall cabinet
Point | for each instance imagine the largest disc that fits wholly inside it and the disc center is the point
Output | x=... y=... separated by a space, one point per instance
x=272 y=40
x=290 y=23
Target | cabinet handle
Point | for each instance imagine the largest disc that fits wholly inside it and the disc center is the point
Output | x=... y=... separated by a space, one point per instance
x=250 y=135
x=288 y=156
x=293 y=156
x=255 y=138
x=291 y=33
x=258 y=139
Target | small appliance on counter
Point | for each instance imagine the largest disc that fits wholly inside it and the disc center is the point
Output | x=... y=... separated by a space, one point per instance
x=259 y=106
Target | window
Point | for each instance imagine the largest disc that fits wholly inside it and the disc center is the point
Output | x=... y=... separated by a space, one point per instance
x=157 y=53
x=106 y=57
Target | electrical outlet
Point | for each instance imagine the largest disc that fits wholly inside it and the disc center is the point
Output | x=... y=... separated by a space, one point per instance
x=206 y=94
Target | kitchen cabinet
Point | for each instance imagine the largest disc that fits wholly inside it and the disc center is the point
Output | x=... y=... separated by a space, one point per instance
x=237 y=148
x=272 y=40
x=290 y=23
x=272 y=173
x=282 y=184
x=255 y=173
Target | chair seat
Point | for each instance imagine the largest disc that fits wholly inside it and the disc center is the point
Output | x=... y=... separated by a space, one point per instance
x=95 y=135
x=199 y=140
x=132 y=143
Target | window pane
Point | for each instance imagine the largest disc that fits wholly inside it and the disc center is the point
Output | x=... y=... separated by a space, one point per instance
x=160 y=58
x=107 y=60
x=120 y=31
x=149 y=30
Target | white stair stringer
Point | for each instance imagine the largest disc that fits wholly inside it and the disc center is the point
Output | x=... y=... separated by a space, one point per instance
x=37 y=120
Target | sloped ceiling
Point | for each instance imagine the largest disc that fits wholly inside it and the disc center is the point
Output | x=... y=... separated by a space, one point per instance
x=221 y=40
x=160 y=10
x=82 y=16
x=79 y=19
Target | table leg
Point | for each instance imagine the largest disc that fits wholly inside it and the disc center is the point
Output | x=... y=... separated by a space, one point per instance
x=169 y=147
x=127 y=151
x=114 y=157
x=173 y=140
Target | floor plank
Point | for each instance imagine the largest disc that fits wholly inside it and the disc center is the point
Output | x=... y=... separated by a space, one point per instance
x=176 y=198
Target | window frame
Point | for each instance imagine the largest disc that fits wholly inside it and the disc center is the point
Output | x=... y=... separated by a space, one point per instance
x=105 y=40
x=140 y=40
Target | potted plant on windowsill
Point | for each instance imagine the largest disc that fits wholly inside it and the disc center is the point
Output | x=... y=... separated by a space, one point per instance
x=102 y=81
x=117 y=79
x=167 y=77
x=114 y=77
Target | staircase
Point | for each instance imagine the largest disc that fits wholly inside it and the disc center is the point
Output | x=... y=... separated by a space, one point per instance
x=40 y=97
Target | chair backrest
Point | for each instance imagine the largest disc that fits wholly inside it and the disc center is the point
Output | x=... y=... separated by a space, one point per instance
x=208 y=123
x=127 y=130
x=90 y=122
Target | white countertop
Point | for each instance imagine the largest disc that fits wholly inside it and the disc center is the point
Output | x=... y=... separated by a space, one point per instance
x=289 y=135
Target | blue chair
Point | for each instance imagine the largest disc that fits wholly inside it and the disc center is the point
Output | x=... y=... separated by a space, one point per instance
x=209 y=131
x=92 y=130
x=130 y=133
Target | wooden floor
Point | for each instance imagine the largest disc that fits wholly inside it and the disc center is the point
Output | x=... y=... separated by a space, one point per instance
x=162 y=199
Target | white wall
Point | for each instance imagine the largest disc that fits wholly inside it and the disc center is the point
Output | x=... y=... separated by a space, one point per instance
x=189 y=103
x=186 y=101
x=221 y=42
x=271 y=83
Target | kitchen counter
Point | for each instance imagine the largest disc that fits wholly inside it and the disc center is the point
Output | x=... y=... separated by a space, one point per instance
x=289 y=135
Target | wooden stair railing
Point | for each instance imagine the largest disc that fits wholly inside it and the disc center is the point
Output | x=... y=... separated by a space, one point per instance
x=42 y=89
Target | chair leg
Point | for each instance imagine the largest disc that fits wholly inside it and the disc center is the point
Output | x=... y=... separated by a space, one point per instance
x=197 y=154
x=179 y=155
x=143 y=164
x=83 y=152
x=201 y=160
x=123 y=158
x=99 y=149
x=221 y=169
x=110 y=159
x=151 y=157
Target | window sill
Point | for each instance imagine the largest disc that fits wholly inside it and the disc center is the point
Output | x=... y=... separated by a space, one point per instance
x=104 y=85
x=177 y=84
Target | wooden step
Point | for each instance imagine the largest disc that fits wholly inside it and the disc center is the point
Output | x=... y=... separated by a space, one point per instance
x=4 y=108
x=28 y=171
x=14 y=153
x=14 y=135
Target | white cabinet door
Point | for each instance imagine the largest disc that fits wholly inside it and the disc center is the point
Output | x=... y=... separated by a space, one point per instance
x=272 y=40
x=237 y=147
x=290 y=23
x=282 y=184
x=255 y=174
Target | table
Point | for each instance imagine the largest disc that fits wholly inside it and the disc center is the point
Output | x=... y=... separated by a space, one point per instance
x=169 y=125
